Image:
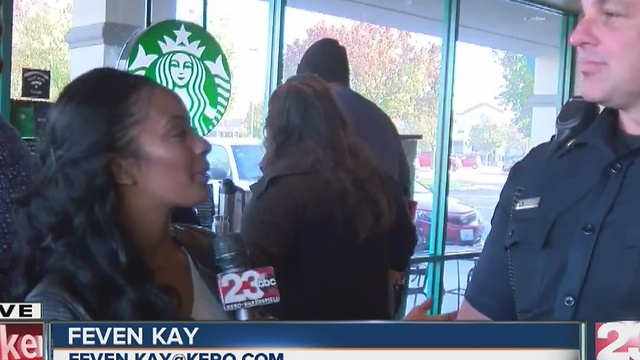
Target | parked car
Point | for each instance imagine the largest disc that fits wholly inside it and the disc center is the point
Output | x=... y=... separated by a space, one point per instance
x=424 y=159
x=471 y=160
x=509 y=161
x=465 y=225
x=235 y=158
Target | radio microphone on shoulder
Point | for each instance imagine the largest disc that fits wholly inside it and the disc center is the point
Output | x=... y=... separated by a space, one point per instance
x=574 y=118
x=241 y=287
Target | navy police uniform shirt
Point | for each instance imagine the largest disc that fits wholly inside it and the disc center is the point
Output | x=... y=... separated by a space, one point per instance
x=565 y=236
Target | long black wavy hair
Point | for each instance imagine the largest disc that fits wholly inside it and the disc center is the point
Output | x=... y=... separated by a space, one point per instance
x=305 y=121
x=68 y=223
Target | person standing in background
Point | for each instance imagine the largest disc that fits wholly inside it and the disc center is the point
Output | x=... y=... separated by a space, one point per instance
x=17 y=168
x=324 y=215
x=328 y=59
x=367 y=122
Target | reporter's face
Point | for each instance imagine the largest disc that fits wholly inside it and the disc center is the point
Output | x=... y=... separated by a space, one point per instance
x=172 y=167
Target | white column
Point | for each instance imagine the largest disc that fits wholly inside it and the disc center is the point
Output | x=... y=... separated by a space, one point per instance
x=545 y=93
x=101 y=28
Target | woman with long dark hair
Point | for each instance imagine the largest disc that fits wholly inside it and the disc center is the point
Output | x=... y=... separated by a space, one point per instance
x=330 y=222
x=95 y=240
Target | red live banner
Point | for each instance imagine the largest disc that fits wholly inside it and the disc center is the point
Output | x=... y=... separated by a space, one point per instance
x=21 y=341
x=618 y=340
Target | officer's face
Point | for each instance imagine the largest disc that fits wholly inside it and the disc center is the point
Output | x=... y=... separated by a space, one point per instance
x=608 y=52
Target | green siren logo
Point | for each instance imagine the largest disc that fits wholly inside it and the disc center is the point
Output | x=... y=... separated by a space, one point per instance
x=186 y=59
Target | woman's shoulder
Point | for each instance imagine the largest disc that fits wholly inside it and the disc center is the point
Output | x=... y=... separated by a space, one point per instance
x=57 y=303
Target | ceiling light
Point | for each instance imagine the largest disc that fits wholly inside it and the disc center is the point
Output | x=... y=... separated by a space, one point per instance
x=535 y=18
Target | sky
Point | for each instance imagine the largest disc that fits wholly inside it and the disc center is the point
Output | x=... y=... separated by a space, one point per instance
x=246 y=24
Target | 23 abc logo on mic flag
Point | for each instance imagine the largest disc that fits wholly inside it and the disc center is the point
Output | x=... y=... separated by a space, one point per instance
x=249 y=288
x=618 y=340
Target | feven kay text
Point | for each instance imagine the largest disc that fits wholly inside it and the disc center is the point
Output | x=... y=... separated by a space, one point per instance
x=131 y=335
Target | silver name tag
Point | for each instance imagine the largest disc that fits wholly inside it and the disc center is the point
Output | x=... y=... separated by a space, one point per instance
x=530 y=203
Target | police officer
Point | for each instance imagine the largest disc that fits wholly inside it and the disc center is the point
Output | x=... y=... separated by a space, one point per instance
x=565 y=236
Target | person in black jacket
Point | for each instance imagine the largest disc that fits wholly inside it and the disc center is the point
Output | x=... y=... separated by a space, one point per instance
x=328 y=59
x=17 y=169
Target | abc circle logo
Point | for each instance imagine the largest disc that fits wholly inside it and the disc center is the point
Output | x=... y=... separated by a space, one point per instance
x=265 y=282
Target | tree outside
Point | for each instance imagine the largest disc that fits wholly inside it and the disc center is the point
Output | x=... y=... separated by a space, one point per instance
x=518 y=89
x=254 y=119
x=487 y=136
x=517 y=142
x=39 y=30
x=388 y=66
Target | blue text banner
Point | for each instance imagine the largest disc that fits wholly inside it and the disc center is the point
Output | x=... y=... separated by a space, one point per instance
x=402 y=335
x=318 y=354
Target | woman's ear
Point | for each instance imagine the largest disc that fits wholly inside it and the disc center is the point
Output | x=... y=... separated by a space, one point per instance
x=123 y=170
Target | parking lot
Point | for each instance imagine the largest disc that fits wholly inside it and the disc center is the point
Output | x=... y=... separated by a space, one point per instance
x=479 y=188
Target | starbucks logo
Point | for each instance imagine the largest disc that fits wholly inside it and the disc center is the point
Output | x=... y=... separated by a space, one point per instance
x=186 y=59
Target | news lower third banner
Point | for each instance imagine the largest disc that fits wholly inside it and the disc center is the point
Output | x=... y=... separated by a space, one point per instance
x=315 y=341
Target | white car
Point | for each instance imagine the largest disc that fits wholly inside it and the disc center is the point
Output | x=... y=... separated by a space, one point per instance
x=237 y=159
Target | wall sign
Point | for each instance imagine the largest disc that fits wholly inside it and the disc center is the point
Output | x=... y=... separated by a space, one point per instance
x=188 y=60
x=36 y=84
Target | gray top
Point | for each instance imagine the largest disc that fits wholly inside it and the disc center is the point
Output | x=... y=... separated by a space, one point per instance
x=59 y=305
x=206 y=305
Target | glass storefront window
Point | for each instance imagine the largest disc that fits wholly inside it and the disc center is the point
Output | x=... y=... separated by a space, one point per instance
x=39 y=30
x=505 y=96
x=394 y=54
x=505 y=88
x=191 y=11
x=240 y=27
x=394 y=51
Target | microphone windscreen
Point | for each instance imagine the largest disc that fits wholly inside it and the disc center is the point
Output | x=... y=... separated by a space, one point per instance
x=230 y=252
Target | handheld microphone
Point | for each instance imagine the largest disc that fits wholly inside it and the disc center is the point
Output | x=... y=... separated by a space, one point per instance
x=574 y=118
x=241 y=287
